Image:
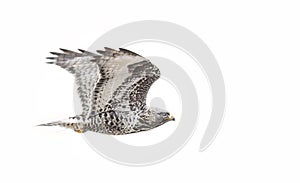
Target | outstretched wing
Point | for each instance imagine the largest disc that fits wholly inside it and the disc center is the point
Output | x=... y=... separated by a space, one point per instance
x=85 y=71
x=125 y=80
x=114 y=80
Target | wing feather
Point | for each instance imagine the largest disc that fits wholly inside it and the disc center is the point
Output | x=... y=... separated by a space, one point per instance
x=86 y=73
x=125 y=80
x=115 y=80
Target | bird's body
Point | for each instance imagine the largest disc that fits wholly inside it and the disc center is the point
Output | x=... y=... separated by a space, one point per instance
x=112 y=87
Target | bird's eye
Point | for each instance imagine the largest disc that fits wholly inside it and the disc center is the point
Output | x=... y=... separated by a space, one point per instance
x=168 y=114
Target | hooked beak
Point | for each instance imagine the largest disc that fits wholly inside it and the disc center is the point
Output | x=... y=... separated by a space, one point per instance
x=171 y=118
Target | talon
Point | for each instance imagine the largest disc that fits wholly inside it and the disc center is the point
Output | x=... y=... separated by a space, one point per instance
x=79 y=131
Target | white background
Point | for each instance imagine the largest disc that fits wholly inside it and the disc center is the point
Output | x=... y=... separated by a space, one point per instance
x=256 y=44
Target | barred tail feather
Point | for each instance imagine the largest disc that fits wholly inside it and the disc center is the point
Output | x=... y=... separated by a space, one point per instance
x=57 y=123
x=77 y=127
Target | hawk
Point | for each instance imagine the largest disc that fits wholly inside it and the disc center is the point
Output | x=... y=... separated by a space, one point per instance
x=112 y=86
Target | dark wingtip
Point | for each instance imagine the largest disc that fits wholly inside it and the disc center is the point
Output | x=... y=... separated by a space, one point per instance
x=81 y=50
x=129 y=52
x=70 y=52
x=55 y=53
x=64 y=50
x=51 y=58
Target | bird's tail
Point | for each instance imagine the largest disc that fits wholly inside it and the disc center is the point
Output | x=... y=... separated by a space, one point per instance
x=77 y=127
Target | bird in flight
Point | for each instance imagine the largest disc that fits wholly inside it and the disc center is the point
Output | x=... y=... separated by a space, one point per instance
x=112 y=86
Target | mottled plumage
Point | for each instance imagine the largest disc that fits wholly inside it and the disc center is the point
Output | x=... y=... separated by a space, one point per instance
x=112 y=87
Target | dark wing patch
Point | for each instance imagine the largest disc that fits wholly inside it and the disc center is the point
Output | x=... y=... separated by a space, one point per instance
x=131 y=94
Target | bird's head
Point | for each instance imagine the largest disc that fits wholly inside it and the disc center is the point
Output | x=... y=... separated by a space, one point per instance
x=160 y=116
